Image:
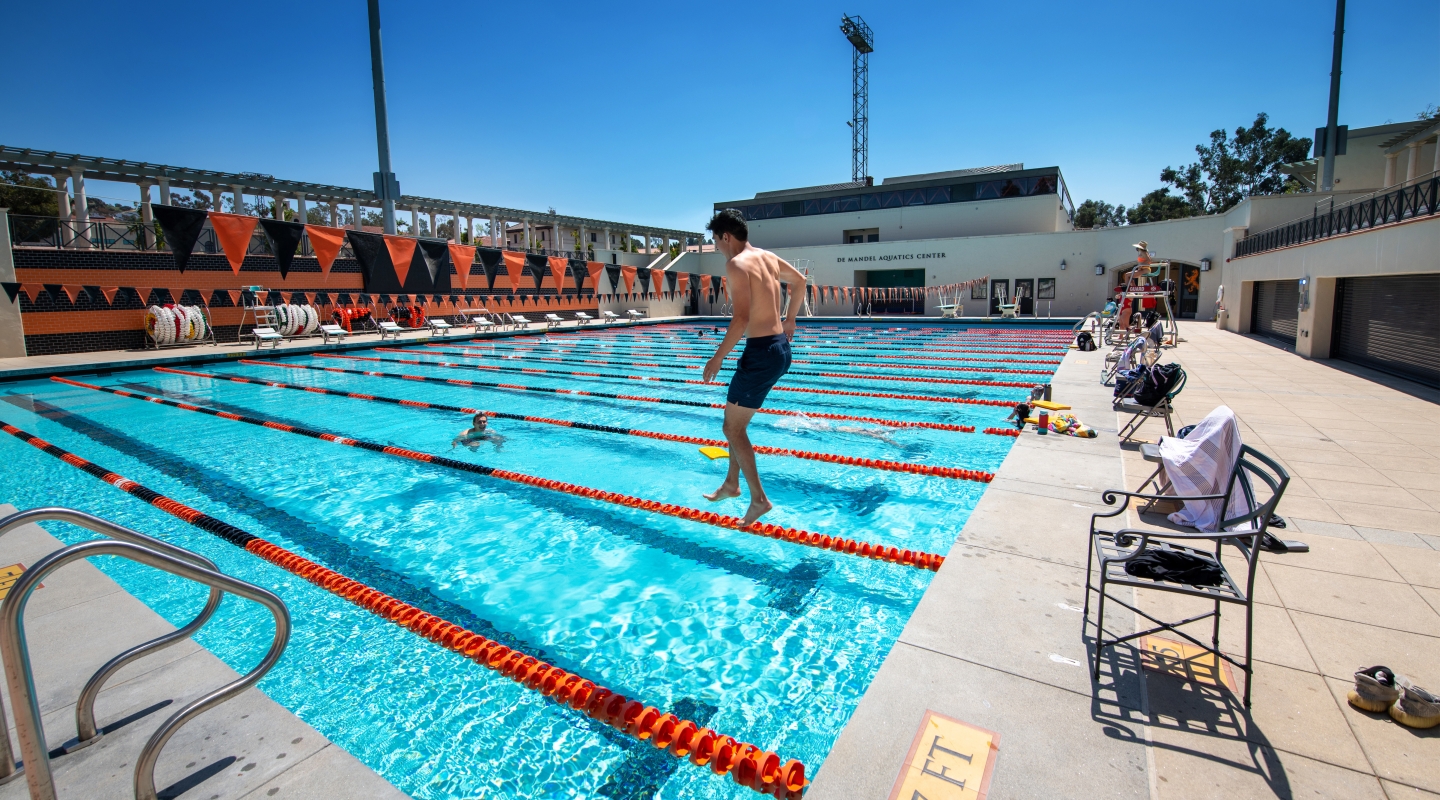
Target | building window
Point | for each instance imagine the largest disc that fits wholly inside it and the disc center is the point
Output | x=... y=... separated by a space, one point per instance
x=812 y=207
x=872 y=237
x=937 y=194
x=915 y=197
x=593 y=239
x=851 y=203
x=869 y=201
x=891 y=200
x=1045 y=289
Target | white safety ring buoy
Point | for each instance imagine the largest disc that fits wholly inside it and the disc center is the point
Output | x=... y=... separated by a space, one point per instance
x=202 y=329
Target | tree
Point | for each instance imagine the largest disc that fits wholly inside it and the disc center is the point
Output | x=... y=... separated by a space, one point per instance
x=1246 y=164
x=1099 y=214
x=27 y=194
x=1159 y=205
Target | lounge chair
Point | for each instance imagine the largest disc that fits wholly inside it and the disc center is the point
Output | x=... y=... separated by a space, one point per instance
x=553 y=320
x=438 y=326
x=1243 y=527
x=583 y=318
x=333 y=330
x=389 y=328
x=635 y=314
x=266 y=335
x=609 y=316
x=520 y=321
x=1009 y=311
x=1140 y=412
x=476 y=318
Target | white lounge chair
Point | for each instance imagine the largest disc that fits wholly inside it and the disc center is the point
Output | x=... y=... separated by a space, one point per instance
x=438 y=326
x=389 y=328
x=585 y=319
x=264 y=335
x=519 y=320
x=553 y=320
x=336 y=331
x=635 y=314
x=476 y=318
x=1009 y=311
x=610 y=316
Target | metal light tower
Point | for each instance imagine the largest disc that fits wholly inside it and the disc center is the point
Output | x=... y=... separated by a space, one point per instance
x=859 y=35
x=1332 y=135
x=387 y=188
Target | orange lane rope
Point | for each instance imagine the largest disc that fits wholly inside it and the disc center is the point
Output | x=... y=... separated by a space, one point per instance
x=833 y=458
x=925 y=398
x=499 y=345
x=918 y=559
x=635 y=398
x=746 y=763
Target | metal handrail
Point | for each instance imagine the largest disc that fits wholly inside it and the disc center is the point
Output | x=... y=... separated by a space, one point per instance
x=86 y=731
x=1421 y=198
x=20 y=680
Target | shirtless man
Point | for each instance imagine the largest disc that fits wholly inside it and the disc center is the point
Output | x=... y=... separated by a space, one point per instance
x=479 y=431
x=754 y=278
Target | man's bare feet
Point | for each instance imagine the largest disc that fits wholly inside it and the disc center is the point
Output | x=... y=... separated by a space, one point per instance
x=725 y=492
x=757 y=509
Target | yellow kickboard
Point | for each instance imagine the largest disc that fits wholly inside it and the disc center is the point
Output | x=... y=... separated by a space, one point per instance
x=1050 y=405
x=715 y=452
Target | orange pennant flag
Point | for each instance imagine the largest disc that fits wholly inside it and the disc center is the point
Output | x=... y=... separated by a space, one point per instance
x=628 y=273
x=558 y=268
x=71 y=291
x=143 y=292
x=234 y=295
x=682 y=283
x=402 y=252
x=462 y=255
x=325 y=242
x=514 y=268
x=175 y=295
x=110 y=292
x=30 y=290
x=233 y=232
x=594 y=268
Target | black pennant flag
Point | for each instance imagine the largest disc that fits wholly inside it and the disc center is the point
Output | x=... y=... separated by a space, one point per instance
x=182 y=228
x=284 y=241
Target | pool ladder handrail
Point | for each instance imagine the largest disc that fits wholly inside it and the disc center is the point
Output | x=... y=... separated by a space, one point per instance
x=14 y=649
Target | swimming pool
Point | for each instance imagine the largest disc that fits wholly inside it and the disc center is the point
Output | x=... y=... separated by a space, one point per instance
x=769 y=641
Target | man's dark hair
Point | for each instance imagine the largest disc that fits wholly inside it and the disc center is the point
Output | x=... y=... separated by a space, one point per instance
x=731 y=221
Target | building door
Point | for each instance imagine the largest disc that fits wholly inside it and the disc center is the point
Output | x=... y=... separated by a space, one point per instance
x=1275 y=312
x=999 y=293
x=1025 y=295
x=1189 y=304
x=1390 y=324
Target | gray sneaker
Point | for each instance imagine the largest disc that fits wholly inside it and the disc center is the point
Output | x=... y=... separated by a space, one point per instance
x=1416 y=707
x=1375 y=690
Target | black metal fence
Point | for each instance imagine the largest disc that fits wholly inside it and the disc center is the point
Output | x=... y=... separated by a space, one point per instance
x=1407 y=202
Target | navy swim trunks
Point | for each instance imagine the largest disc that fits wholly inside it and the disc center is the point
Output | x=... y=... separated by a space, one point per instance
x=765 y=360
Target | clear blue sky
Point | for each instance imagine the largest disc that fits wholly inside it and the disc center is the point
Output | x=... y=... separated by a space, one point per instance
x=650 y=112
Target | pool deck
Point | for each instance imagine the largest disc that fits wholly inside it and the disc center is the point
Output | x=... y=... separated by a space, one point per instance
x=996 y=640
x=247 y=747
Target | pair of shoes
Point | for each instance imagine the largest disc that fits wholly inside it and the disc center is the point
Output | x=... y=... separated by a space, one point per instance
x=1380 y=689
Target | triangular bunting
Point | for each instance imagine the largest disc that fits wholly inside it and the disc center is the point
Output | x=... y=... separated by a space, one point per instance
x=109 y=292
x=284 y=241
x=558 y=267
x=462 y=256
x=594 y=268
x=402 y=252
x=325 y=243
x=370 y=251
x=181 y=227
x=628 y=275
x=71 y=291
x=234 y=295
x=514 y=268
x=143 y=292
x=435 y=255
x=176 y=295
x=233 y=231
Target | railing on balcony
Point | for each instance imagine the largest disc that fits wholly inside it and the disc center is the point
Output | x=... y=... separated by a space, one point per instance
x=1382 y=208
x=53 y=233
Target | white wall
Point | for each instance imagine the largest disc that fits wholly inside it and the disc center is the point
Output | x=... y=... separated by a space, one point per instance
x=1040 y=214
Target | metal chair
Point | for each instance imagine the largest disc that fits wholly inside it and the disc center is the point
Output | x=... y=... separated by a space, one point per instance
x=1164 y=407
x=1246 y=532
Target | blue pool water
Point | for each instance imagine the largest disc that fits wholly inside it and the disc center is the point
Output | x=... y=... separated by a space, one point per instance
x=769 y=642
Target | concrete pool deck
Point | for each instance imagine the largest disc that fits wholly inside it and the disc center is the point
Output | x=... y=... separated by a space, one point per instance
x=996 y=641
x=247 y=747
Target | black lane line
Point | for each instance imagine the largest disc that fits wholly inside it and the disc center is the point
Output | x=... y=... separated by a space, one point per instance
x=223 y=406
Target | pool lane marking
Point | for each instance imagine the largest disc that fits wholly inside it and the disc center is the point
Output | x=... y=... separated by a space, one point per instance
x=931 y=470
x=925 y=398
x=631 y=350
x=804 y=373
x=918 y=559
x=784 y=412
x=1033 y=351
x=682 y=738
x=641 y=363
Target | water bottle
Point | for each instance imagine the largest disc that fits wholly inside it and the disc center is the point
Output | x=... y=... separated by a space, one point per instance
x=1042 y=424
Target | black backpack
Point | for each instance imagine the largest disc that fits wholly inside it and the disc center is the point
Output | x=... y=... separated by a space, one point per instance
x=1157 y=382
x=1085 y=341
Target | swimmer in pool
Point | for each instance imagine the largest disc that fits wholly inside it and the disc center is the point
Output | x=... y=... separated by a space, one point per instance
x=479 y=431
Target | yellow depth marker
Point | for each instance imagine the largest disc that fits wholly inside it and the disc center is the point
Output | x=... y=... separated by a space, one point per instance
x=9 y=575
x=715 y=452
x=1185 y=661
x=949 y=760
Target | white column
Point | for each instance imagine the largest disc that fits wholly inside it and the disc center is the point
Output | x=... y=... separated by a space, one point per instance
x=455 y=227
x=217 y=194
x=334 y=213
x=239 y=192
x=1436 y=166
x=359 y=212
x=165 y=198
x=609 y=241
x=470 y=229
x=414 y=221
x=495 y=233
x=1389 y=170
x=301 y=209
x=147 y=216
x=61 y=179
x=1412 y=164
x=82 y=210
x=279 y=201
x=628 y=239
x=526 y=244
x=584 y=244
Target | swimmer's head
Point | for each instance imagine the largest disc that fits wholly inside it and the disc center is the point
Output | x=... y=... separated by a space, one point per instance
x=480 y=421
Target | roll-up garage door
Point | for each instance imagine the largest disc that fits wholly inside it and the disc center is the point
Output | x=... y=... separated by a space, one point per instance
x=1276 y=310
x=1390 y=324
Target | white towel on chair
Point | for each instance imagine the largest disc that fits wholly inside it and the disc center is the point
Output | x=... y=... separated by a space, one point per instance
x=1130 y=354
x=1200 y=464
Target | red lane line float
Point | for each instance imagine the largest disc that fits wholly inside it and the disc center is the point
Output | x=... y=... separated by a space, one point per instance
x=890 y=423
x=1002 y=431
x=893 y=466
x=919 y=560
x=925 y=398
x=496 y=351
x=560 y=686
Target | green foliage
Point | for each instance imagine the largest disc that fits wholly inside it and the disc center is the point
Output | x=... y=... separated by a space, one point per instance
x=36 y=201
x=1159 y=205
x=1099 y=214
x=1231 y=169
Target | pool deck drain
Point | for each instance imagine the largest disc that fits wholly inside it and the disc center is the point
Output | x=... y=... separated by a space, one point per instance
x=248 y=747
